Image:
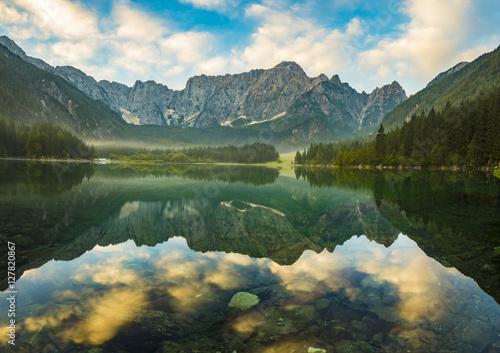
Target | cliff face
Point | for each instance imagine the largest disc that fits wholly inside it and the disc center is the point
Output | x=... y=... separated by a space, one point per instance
x=333 y=105
x=243 y=99
x=380 y=102
x=283 y=95
x=255 y=96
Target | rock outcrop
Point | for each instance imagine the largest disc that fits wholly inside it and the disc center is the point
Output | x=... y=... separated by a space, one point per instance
x=340 y=107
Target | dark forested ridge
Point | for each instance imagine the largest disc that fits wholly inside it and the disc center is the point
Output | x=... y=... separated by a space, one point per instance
x=32 y=96
x=467 y=135
x=41 y=141
x=480 y=76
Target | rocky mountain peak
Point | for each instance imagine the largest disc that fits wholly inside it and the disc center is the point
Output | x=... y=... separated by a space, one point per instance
x=396 y=85
x=12 y=46
x=292 y=65
x=336 y=80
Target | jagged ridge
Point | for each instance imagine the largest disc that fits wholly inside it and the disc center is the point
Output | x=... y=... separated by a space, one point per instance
x=284 y=95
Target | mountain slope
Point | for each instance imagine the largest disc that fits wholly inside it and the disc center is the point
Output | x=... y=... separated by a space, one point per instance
x=448 y=72
x=30 y=95
x=481 y=75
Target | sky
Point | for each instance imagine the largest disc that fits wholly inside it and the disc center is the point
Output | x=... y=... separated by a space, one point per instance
x=367 y=43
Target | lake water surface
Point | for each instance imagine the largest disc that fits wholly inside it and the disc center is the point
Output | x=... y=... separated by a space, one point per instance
x=150 y=259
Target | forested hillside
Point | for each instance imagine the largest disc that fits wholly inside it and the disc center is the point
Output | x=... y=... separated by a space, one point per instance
x=465 y=135
x=41 y=141
x=480 y=76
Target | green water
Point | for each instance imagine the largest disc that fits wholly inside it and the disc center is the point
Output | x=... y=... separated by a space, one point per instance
x=147 y=259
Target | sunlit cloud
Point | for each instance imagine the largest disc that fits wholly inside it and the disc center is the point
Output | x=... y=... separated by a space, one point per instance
x=60 y=18
x=188 y=279
x=283 y=36
x=410 y=41
x=136 y=25
x=433 y=41
x=107 y=316
x=11 y=16
x=419 y=280
x=247 y=323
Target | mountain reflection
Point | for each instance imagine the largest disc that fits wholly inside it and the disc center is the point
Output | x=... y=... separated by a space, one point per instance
x=453 y=216
x=170 y=292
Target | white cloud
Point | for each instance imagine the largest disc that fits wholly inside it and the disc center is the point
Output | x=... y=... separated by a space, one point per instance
x=136 y=25
x=217 y=5
x=430 y=43
x=11 y=15
x=187 y=47
x=74 y=52
x=61 y=18
x=473 y=53
x=437 y=36
x=134 y=58
x=286 y=36
x=214 y=66
x=100 y=72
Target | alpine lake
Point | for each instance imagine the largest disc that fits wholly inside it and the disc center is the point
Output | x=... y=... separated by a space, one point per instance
x=192 y=258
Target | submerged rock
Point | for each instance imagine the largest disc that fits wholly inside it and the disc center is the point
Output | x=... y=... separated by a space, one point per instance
x=315 y=350
x=243 y=301
x=322 y=304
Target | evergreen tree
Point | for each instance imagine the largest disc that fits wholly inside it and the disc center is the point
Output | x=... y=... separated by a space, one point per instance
x=298 y=158
x=380 y=145
x=467 y=135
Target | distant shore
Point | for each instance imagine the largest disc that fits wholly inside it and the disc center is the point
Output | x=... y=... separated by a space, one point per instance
x=282 y=163
x=68 y=160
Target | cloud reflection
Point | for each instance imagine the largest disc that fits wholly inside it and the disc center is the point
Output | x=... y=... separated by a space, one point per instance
x=109 y=286
x=95 y=321
x=187 y=277
x=418 y=280
x=108 y=314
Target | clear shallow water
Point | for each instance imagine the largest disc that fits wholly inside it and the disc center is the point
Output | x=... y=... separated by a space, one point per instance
x=134 y=261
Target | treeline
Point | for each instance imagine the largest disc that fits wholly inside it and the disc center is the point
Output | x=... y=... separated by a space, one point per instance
x=41 y=141
x=465 y=136
x=250 y=153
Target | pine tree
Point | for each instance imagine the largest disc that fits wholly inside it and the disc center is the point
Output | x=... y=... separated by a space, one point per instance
x=380 y=146
x=298 y=158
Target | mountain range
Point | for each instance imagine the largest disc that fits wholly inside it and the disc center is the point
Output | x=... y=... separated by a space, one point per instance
x=282 y=103
x=284 y=99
